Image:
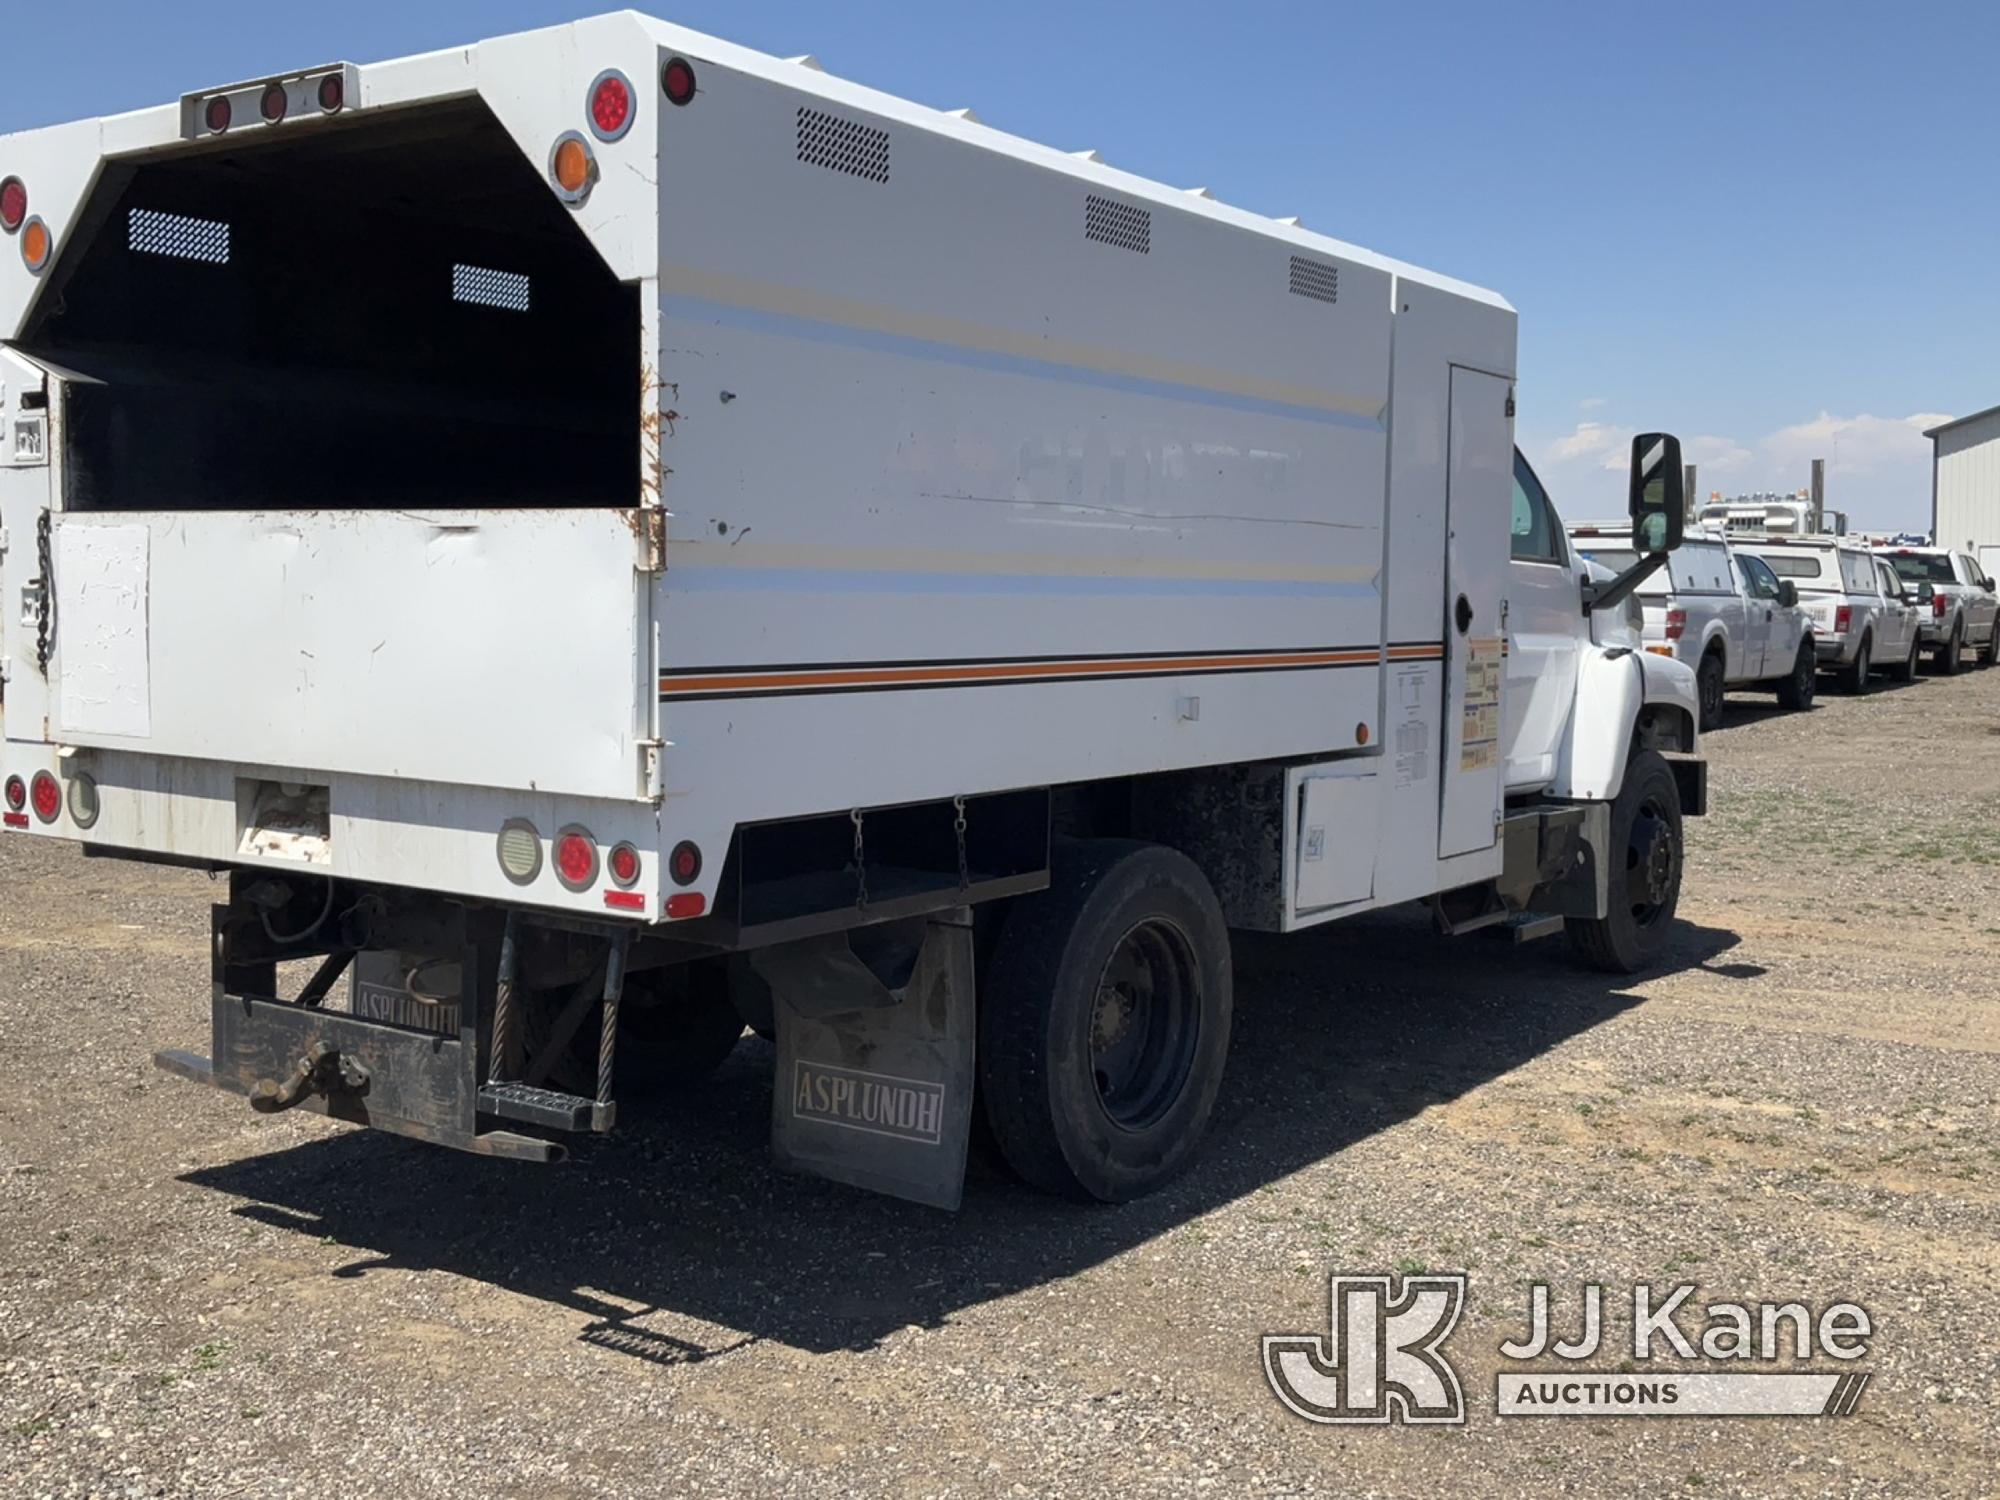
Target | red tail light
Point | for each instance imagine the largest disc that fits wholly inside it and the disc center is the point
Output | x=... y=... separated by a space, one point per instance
x=13 y=204
x=677 y=81
x=1938 y=606
x=1843 y=616
x=623 y=863
x=610 y=105
x=576 y=859
x=47 y=796
x=17 y=793
x=684 y=864
x=1677 y=623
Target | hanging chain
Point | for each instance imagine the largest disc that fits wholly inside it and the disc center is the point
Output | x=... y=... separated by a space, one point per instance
x=958 y=829
x=45 y=601
x=860 y=861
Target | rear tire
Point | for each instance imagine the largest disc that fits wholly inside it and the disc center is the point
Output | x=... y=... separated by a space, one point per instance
x=1646 y=856
x=1708 y=686
x=1991 y=655
x=1952 y=657
x=1104 y=1021
x=1796 y=691
x=1907 y=672
x=1855 y=679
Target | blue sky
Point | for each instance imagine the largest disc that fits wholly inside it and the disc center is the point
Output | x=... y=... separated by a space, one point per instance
x=1767 y=226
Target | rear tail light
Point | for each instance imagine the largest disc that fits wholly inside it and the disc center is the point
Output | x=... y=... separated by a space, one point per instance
x=83 y=804
x=13 y=204
x=1938 y=606
x=1843 y=616
x=622 y=863
x=572 y=167
x=46 y=796
x=36 y=243
x=677 y=81
x=610 y=105
x=1677 y=623
x=273 y=103
x=576 y=858
x=520 y=851
x=684 y=864
x=17 y=793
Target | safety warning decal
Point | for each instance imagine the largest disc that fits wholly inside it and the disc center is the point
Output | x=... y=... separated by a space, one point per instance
x=1479 y=730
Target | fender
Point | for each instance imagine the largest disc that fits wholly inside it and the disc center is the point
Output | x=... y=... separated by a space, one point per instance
x=1615 y=686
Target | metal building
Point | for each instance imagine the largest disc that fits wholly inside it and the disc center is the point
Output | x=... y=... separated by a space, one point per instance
x=1965 y=485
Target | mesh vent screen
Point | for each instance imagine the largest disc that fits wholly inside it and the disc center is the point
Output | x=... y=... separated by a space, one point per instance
x=843 y=145
x=1110 y=222
x=151 y=232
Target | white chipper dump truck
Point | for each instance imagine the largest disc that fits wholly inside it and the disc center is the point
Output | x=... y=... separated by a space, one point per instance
x=605 y=538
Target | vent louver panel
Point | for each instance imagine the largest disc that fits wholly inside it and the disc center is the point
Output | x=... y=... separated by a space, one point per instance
x=151 y=232
x=1315 y=279
x=1110 y=222
x=842 y=145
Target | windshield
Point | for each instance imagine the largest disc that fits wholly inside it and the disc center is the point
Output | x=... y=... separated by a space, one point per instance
x=1917 y=569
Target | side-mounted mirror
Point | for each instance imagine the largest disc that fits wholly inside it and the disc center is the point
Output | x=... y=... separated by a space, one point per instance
x=1788 y=593
x=1987 y=584
x=1658 y=505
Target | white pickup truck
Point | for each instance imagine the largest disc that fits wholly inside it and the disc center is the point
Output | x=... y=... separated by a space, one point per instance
x=603 y=532
x=1959 y=612
x=1864 y=617
x=1722 y=612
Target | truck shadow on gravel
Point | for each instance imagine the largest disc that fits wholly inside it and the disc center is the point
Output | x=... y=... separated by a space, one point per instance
x=676 y=1241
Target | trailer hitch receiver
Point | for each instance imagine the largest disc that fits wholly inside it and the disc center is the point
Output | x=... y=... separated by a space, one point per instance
x=321 y=1071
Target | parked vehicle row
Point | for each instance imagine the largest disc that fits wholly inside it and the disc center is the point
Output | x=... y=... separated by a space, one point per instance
x=1778 y=612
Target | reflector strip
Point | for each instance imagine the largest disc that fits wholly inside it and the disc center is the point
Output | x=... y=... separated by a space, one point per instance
x=489 y=288
x=738 y=682
x=151 y=232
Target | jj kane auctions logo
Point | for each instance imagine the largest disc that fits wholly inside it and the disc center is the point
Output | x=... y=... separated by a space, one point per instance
x=1382 y=1358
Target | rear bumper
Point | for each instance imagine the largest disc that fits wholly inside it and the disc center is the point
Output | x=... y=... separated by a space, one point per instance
x=1835 y=650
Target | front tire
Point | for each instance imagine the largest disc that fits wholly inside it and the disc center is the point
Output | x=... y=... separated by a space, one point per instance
x=1104 y=1021
x=1708 y=684
x=1646 y=856
x=1796 y=691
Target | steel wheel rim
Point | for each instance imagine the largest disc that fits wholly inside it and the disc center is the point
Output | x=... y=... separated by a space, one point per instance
x=1144 y=1024
x=1650 y=860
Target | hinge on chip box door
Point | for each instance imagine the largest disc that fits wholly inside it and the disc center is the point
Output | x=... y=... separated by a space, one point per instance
x=652 y=769
x=649 y=528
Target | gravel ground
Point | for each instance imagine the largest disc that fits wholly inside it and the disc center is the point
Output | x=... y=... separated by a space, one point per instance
x=1804 y=1103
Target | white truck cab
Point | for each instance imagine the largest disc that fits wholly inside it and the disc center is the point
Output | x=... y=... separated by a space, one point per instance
x=1719 y=610
x=579 y=626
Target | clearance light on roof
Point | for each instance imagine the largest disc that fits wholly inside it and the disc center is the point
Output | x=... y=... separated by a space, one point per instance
x=273 y=103
x=572 y=167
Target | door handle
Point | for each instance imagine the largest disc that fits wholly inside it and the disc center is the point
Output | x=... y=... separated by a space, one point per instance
x=1462 y=614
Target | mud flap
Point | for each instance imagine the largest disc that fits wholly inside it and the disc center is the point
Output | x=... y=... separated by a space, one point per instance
x=875 y=1051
